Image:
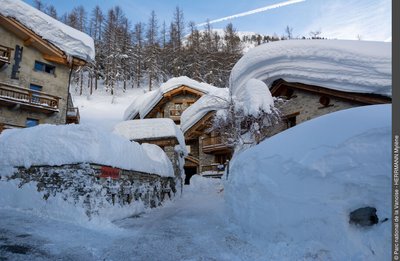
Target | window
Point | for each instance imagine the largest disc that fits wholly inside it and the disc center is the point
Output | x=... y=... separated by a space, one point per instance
x=35 y=96
x=44 y=67
x=291 y=122
x=31 y=122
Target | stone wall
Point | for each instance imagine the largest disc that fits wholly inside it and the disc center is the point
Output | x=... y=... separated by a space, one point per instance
x=98 y=185
x=53 y=84
x=309 y=107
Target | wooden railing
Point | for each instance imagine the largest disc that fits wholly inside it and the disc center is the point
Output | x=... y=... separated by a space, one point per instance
x=212 y=141
x=5 y=126
x=15 y=94
x=5 y=54
x=73 y=115
x=213 y=144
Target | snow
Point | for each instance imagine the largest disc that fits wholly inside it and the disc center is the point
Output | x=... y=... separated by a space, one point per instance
x=192 y=227
x=69 y=144
x=351 y=66
x=102 y=109
x=143 y=105
x=292 y=194
x=73 y=42
x=218 y=100
x=254 y=98
x=150 y=129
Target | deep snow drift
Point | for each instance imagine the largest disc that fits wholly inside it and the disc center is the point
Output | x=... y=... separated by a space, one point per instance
x=73 y=42
x=293 y=192
x=352 y=66
x=68 y=144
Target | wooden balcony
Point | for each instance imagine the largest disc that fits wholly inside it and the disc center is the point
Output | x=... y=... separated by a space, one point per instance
x=73 y=115
x=6 y=126
x=14 y=96
x=215 y=144
x=5 y=55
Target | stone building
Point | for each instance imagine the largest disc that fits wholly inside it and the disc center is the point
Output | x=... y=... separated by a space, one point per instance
x=37 y=55
x=304 y=102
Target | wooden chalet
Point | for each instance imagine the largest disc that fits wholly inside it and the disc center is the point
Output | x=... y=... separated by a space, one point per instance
x=213 y=150
x=173 y=103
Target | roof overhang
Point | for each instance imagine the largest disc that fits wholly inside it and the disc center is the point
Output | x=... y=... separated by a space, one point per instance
x=48 y=50
x=281 y=88
x=198 y=128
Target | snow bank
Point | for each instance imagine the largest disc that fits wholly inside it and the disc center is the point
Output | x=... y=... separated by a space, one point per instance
x=293 y=192
x=352 y=66
x=68 y=144
x=144 y=104
x=26 y=198
x=73 y=42
x=218 y=100
x=150 y=129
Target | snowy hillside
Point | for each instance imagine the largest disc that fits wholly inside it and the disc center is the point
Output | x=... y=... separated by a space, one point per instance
x=292 y=194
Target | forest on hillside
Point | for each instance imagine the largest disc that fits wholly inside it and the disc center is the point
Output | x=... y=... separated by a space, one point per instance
x=149 y=53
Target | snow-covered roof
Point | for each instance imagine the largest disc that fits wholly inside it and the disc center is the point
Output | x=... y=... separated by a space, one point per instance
x=344 y=65
x=150 y=129
x=145 y=103
x=210 y=102
x=69 y=144
x=71 y=41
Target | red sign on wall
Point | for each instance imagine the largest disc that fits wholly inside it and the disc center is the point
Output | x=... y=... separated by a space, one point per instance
x=108 y=172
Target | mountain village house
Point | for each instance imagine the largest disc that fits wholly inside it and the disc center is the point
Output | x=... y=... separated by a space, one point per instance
x=170 y=101
x=35 y=67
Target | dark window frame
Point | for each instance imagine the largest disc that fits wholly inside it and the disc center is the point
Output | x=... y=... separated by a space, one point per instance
x=44 y=67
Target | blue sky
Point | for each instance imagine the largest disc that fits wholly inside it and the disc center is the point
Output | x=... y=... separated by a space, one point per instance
x=342 y=19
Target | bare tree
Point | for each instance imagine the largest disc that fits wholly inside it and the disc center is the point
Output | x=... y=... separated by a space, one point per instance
x=289 y=32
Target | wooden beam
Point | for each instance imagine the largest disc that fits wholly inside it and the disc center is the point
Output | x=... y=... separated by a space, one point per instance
x=56 y=59
x=29 y=41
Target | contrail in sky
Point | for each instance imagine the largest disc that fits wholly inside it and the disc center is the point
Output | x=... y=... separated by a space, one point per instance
x=258 y=10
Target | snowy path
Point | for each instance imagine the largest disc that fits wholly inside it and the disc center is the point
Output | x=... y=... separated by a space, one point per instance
x=190 y=228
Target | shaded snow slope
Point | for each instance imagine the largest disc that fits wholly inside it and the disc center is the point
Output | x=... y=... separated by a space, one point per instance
x=294 y=191
x=144 y=104
x=73 y=42
x=352 y=66
x=150 y=129
x=68 y=144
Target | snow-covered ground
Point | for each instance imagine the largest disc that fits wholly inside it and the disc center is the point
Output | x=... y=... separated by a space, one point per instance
x=194 y=227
